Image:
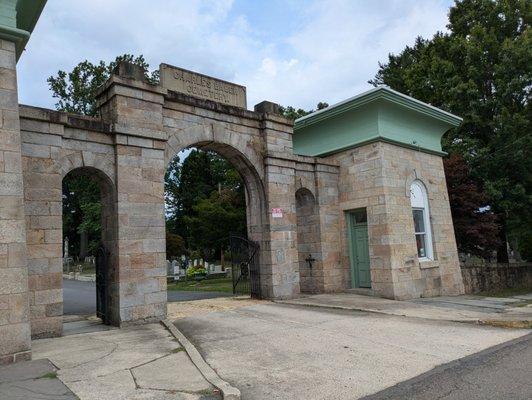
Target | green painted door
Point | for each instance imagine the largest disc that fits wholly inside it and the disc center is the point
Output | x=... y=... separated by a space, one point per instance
x=359 y=249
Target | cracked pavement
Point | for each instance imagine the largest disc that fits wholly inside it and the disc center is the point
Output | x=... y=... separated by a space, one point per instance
x=278 y=351
x=34 y=380
x=134 y=363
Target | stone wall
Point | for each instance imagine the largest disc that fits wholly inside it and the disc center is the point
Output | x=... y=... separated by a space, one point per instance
x=14 y=312
x=52 y=146
x=126 y=151
x=377 y=177
x=320 y=178
x=494 y=277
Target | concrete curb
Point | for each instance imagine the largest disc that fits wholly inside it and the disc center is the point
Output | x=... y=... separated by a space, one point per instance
x=78 y=277
x=507 y=324
x=228 y=392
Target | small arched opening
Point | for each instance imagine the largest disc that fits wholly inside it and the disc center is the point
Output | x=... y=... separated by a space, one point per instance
x=90 y=245
x=308 y=241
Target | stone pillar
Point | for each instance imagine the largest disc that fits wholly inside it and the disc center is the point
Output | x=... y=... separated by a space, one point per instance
x=280 y=259
x=134 y=108
x=15 y=342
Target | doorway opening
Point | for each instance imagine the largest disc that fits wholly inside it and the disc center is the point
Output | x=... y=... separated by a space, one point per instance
x=212 y=228
x=357 y=233
x=89 y=250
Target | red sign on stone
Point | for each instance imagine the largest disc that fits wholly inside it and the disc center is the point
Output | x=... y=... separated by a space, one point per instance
x=277 y=213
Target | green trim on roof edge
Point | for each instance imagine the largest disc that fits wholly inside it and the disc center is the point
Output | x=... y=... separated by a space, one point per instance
x=384 y=140
x=17 y=21
x=381 y=92
x=378 y=114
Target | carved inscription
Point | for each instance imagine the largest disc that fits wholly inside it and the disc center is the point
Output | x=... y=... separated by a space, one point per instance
x=202 y=86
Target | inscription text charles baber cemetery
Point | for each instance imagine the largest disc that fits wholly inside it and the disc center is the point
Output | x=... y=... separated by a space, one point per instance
x=205 y=87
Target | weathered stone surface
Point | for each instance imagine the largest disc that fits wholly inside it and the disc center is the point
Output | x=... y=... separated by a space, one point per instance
x=205 y=87
x=126 y=151
x=14 y=315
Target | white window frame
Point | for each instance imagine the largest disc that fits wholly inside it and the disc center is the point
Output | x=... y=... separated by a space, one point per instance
x=417 y=187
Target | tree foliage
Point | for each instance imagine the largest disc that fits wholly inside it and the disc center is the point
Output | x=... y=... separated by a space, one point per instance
x=175 y=246
x=295 y=113
x=76 y=90
x=205 y=201
x=475 y=225
x=81 y=212
x=481 y=70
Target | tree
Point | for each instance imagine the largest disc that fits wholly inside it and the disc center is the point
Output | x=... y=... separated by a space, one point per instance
x=293 y=113
x=175 y=246
x=81 y=214
x=214 y=218
x=475 y=225
x=205 y=201
x=480 y=70
x=76 y=90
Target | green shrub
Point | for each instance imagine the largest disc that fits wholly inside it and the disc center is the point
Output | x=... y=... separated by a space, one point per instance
x=197 y=273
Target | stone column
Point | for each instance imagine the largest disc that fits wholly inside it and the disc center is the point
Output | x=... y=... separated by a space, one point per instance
x=280 y=279
x=134 y=108
x=15 y=342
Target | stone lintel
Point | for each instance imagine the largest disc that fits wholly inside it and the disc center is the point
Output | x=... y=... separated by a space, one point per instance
x=210 y=105
x=320 y=164
x=279 y=161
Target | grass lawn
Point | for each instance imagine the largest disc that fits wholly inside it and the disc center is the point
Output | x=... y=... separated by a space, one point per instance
x=206 y=285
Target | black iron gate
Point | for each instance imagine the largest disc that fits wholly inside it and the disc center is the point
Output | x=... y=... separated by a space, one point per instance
x=102 y=288
x=245 y=267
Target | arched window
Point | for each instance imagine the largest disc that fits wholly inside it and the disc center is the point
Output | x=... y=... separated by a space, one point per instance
x=420 y=211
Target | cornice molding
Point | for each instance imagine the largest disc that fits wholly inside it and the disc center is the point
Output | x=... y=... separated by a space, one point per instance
x=374 y=95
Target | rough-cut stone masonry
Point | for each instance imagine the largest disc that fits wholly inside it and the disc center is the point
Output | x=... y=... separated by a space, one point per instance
x=14 y=312
x=377 y=177
x=480 y=277
x=127 y=148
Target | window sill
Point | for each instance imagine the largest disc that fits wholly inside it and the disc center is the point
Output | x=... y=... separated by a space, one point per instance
x=427 y=264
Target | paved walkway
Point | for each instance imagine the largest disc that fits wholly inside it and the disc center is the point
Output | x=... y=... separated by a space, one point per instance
x=32 y=380
x=136 y=363
x=276 y=351
x=511 y=312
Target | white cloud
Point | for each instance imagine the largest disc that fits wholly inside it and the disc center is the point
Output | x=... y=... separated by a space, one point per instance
x=327 y=53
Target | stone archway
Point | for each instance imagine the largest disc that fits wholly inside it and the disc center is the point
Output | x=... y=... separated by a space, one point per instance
x=308 y=241
x=108 y=280
x=256 y=215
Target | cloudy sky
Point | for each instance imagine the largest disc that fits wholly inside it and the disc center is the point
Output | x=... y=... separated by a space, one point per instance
x=292 y=52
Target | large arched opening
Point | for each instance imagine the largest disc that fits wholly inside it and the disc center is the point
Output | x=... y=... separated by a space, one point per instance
x=90 y=290
x=246 y=276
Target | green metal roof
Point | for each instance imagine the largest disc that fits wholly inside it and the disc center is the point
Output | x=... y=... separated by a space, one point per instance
x=378 y=114
x=17 y=20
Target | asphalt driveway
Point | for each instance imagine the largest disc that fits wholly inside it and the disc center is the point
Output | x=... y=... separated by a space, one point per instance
x=274 y=351
x=79 y=297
